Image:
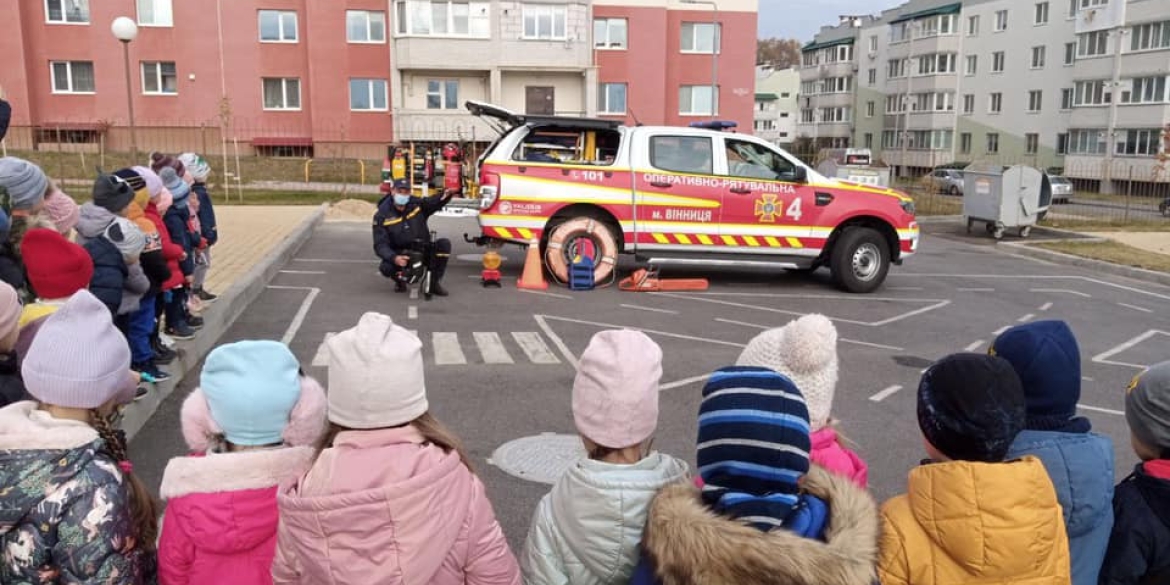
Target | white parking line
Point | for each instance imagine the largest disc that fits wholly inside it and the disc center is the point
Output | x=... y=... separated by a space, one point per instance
x=683 y=382
x=547 y=294
x=412 y=312
x=534 y=347
x=447 y=350
x=492 y=348
x=1136 y=308
x=884 y=394
x=1026 y=318
x=1099 y=409
x=413 y=293
x=1103 y=357
x=904 y=288
x=1045 y=306
x=975 y=289
x=1062 y=291
x=651 y=309
x=302 y=312
x=709 y=298
x=302 y=272
x=1001 y=330
x=974 y=346
x=841 y=339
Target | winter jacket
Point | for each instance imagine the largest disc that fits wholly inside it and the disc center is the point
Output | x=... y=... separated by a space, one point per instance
x=31 y=319
x=109 y=269
x=11 y=384
x=1080 y=466
x=968 y=522
x=828 y=452
x=5 y=117
x=687 y=544
x=220 y=523
x=172 y=252
x=175 y=220
x=587 y=529
x=11 y=270
x=136 y=285
x=395 y=232
x=64 y=509
x=206 y=214
x=385 y=508
x=1139 y=548
x=153 y=262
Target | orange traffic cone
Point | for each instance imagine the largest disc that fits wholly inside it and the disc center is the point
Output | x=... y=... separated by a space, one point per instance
x=533 y=276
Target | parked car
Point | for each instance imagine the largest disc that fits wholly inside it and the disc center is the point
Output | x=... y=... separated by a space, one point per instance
x=1062 y=189
x=948 y=181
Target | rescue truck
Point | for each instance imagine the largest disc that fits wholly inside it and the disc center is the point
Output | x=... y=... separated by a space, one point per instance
x=680 y=196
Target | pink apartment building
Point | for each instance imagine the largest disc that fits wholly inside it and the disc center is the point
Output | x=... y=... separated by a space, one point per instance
x=318 y=78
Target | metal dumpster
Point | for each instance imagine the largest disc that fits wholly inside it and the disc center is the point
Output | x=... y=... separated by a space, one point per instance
x=1005 y=198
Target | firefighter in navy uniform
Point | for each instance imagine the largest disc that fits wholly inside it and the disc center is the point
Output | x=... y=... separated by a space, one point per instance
x=400 y=222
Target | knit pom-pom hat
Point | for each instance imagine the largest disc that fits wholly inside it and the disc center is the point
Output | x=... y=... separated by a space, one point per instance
x=805 y=351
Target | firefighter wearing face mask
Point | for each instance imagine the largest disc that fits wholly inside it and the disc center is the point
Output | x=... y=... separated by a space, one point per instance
x=401 y=221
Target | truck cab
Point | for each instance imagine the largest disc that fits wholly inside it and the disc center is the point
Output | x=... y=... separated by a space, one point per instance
x=688 y=196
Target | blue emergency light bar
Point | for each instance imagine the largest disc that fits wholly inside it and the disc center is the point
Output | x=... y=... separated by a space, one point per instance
x=715 y=125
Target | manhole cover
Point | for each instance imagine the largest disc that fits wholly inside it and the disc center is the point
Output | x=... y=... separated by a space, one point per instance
x=542 y=458
x=912 y=361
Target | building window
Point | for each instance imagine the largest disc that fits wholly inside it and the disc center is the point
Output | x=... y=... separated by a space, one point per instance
x=278 y=26
x=836 y=115
x=72 y=76
x=972 y=26
x=155 y=13
x=368 y=95
x=1031 y=143
x=1092 y=3
x=1070 y=53
x=992 y=143
x=998 y=59
x=1001 y=20
x=868 y=140
x=895 y=103
x=1041 y=13
x=282 y=93
x=933 y=102
x=969 y=103
x=836 y=85
x=1093 y=93
x=1146 y=37
x=612 y=98
x=1062 y=143
x=897 y=68
x=1072 y=9
x=1093 y=44
x=1035 y=100
x=806 y=117
x=697 y=100
x=364 y=26
x=995 y=104
x=1039 y=55
x=442 y=94
x=544 y=22
x=609 y=33
x=929 y=139
x=1145 y=90
x=965 y=143
x=873 y=76
x=972 y=64
x=159 y=78
x=1138 y=142
x=936 y=63
x=443 y=18
x=67 y=11
x=869 y=109
x=1086 y=142
x=873 y=43
x=943 y=24
x=698 y=37
x=1066 y=98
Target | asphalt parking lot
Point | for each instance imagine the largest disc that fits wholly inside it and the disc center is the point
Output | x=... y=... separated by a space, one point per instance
x=500 y=362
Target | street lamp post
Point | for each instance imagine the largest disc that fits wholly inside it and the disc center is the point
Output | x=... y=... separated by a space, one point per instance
x=126 y=30
x=716 y=39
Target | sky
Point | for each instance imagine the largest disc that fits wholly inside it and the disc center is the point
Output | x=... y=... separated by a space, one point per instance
x=801 y=19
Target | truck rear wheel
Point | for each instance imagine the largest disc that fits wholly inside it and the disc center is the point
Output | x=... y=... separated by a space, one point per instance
x=572 y=237
x=860 y=260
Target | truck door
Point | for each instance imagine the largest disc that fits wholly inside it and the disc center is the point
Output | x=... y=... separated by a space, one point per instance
x=766 y=208
x=676 y=198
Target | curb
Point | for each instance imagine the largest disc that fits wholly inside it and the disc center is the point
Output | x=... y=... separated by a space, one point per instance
x=1027 y=249
x=217 y=319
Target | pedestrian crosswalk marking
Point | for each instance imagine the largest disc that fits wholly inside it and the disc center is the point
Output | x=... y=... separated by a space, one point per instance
x=447 y=349
x=534 y=347
x=492 y=348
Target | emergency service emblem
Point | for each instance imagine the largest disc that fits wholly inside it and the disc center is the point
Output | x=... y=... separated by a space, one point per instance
x=767 y=208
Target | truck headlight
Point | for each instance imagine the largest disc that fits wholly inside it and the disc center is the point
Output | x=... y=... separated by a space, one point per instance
x=908 y=206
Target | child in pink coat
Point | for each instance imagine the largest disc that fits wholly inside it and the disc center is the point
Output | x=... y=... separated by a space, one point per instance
x=805 y=350
x=251 y=426
x=391 y=498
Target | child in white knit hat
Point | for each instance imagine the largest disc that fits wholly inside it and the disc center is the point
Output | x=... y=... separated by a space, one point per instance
x=805 y=350
x=587 y=529
x=391 y=497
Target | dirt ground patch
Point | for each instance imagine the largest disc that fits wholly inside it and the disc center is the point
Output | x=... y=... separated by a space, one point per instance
x=1114 y=252
x=350 y=209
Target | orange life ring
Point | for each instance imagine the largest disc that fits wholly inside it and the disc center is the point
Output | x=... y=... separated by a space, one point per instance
x=556 y=254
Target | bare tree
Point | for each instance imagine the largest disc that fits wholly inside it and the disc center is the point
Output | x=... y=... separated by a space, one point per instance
x=779 y=53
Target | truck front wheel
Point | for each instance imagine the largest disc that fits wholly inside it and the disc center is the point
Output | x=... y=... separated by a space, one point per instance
x=860 y=260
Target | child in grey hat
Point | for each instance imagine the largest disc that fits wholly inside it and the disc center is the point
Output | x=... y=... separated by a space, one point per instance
x=1139 y=547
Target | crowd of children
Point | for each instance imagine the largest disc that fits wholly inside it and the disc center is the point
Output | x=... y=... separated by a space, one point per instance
x=288 y=483
x=117 y=246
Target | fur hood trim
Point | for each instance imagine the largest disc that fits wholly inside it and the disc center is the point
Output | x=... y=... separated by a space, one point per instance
x=24 y=427
x=305 y=426
x=229 y=472
x=688 y=543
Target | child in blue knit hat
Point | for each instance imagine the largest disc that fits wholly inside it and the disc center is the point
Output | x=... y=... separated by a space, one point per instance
x=765 y=514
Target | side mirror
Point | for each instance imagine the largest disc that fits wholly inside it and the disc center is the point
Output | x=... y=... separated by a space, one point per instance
x=799 y=175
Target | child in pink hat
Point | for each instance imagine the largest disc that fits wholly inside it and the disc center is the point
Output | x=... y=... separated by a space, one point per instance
x=588 y=528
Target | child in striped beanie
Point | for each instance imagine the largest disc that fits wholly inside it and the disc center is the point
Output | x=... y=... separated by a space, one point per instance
x=765 y=513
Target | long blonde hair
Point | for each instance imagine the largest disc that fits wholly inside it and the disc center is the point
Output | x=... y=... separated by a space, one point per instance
x=432 y=431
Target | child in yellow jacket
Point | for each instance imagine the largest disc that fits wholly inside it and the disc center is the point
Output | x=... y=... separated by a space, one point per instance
x=968 y=515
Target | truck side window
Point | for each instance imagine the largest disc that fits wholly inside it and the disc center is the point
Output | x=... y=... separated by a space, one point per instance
x=749 y=160
x=682 y=154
